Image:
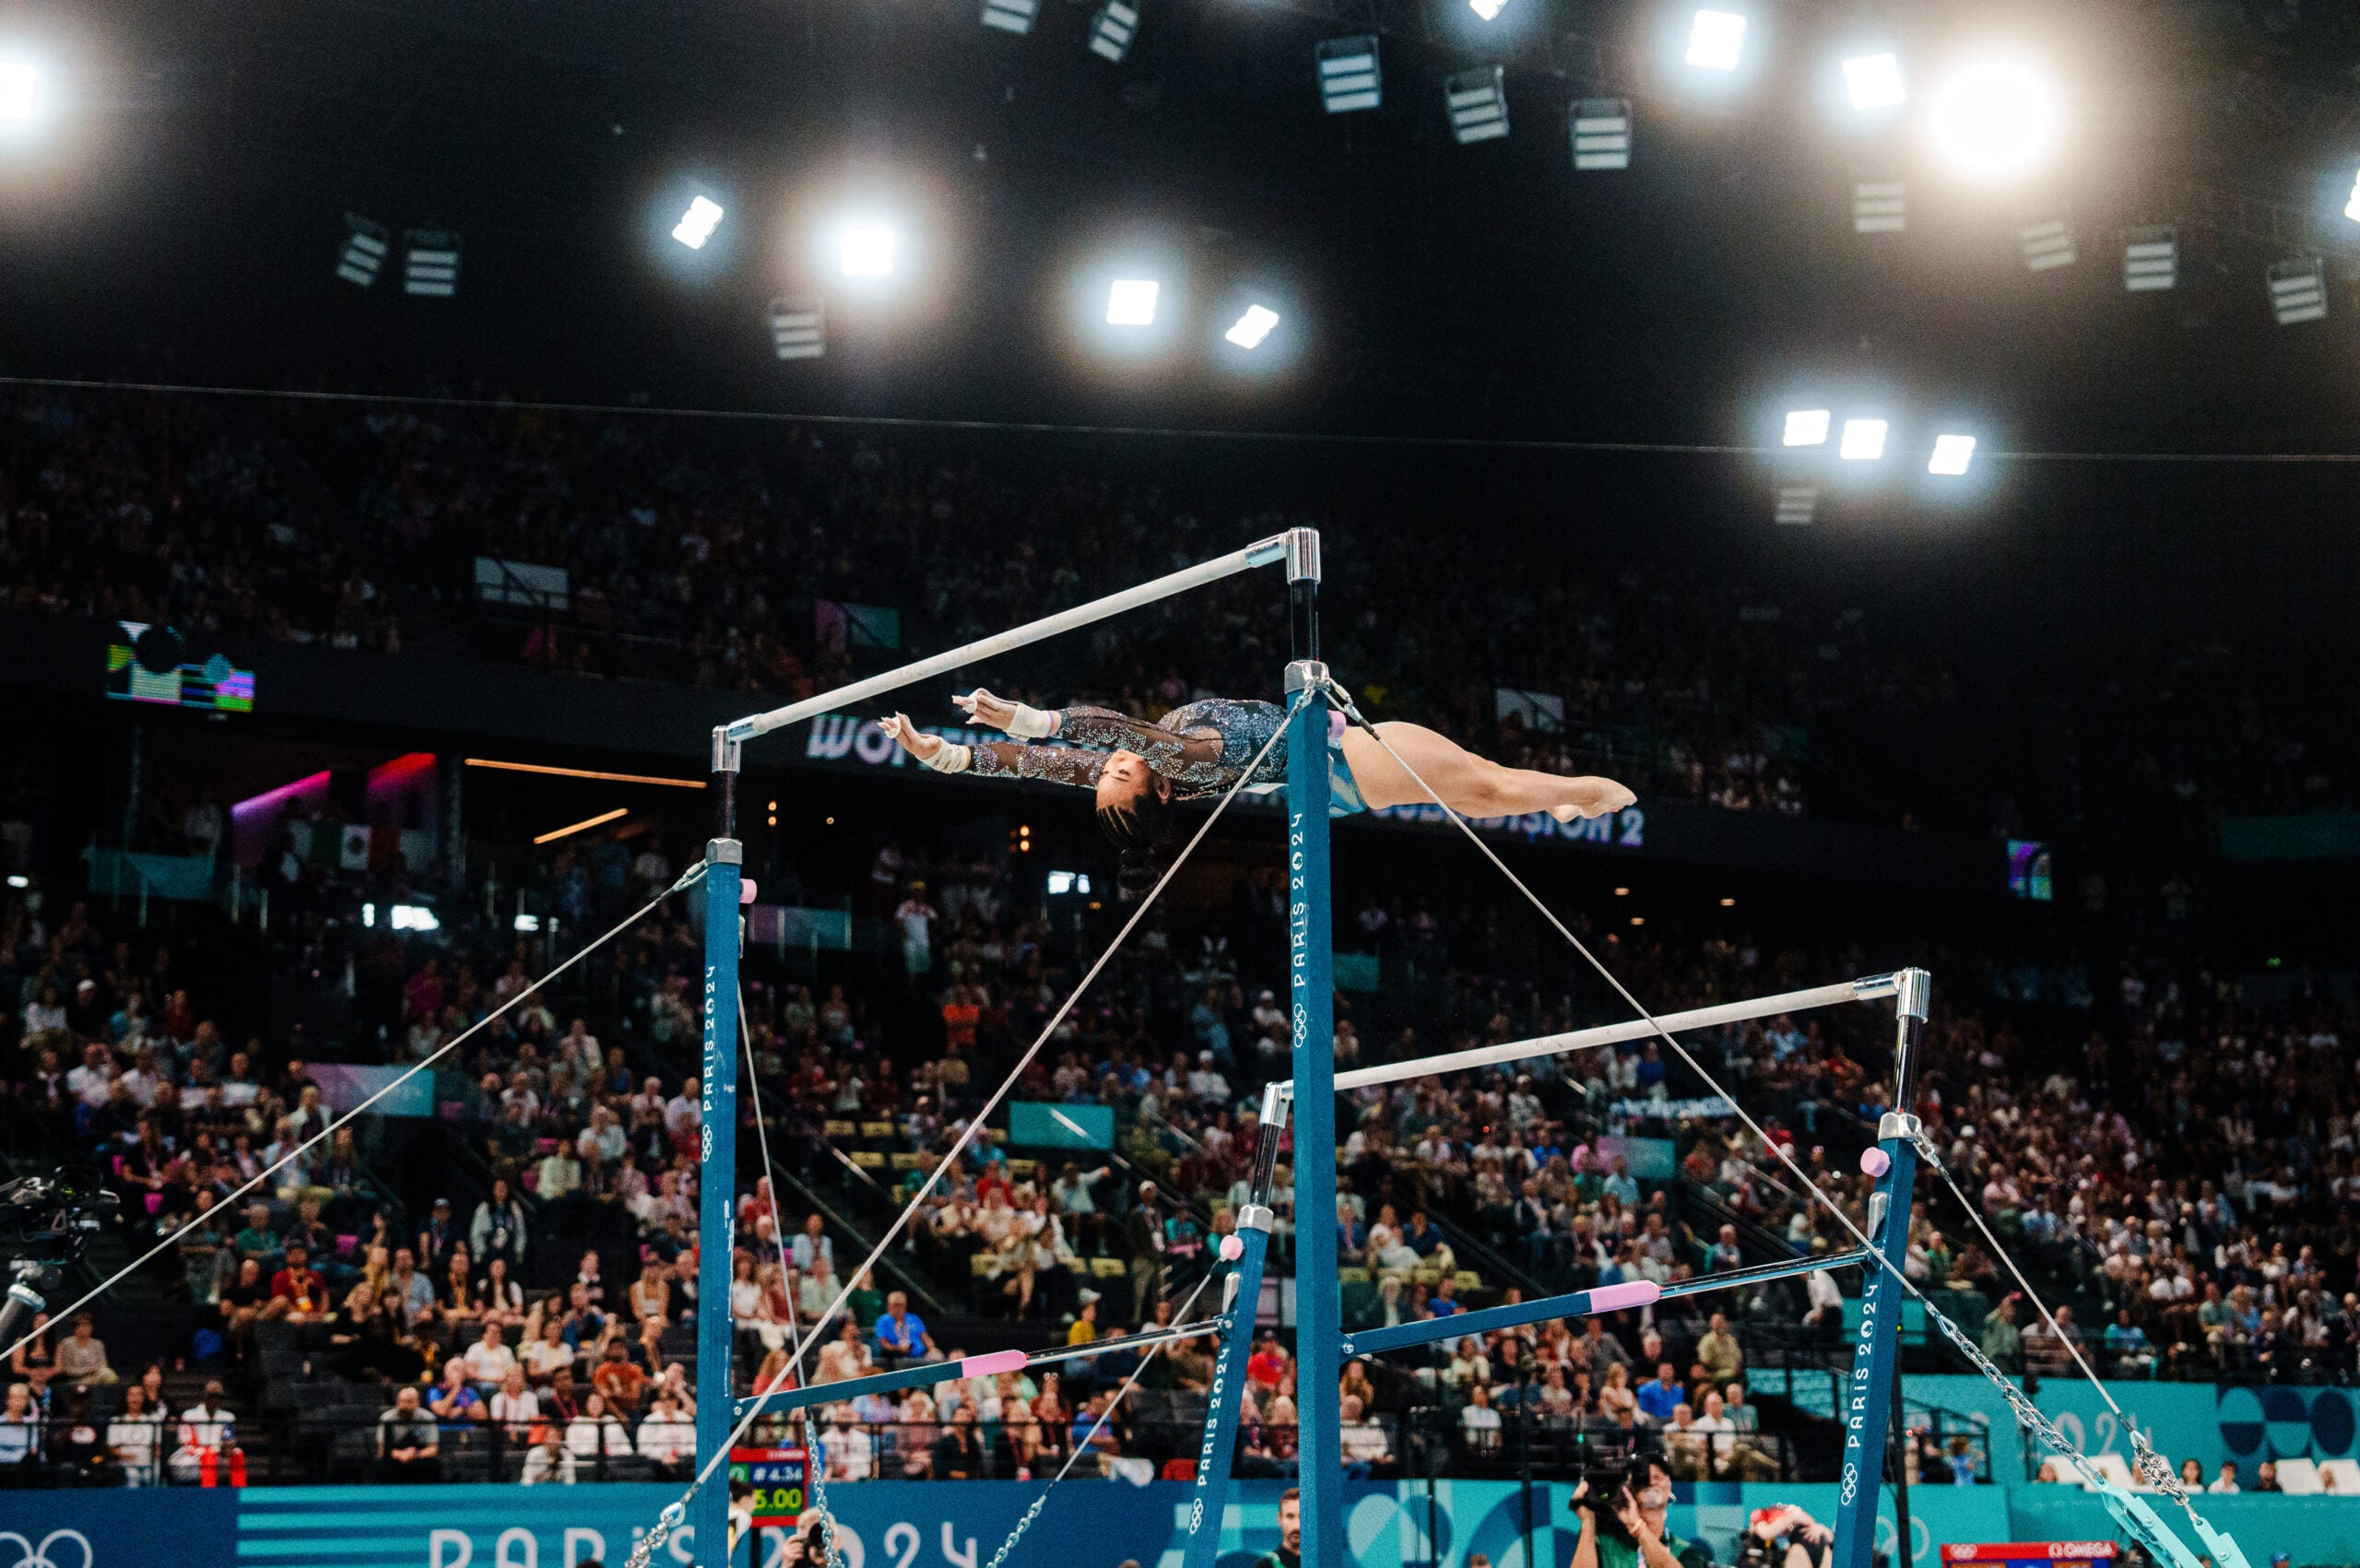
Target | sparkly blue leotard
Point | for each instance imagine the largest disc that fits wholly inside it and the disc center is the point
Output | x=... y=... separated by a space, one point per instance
x=1202 y=747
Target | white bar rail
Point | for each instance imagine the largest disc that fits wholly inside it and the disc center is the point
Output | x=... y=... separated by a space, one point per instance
x=1616 y=1033
x=1296 y=547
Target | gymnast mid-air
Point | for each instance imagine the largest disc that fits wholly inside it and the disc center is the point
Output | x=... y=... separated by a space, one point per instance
x=1138 y=769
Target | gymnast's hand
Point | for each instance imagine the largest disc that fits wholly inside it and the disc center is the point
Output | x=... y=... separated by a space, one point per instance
x=914 y=741
x=1013 y=718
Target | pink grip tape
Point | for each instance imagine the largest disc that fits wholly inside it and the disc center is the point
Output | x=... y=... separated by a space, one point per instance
x=1614 y=1298
x=995 y=1362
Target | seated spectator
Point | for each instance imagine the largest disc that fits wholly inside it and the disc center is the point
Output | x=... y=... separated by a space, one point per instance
x=514 y=1408
x=1686 y=1449
x=1364 y=1442
x=667 y=1439
x=1479 y=1421
x=82 y=1357
x=298 y=1292
x=1719 y=1359
x=957 y=1454
x=595 y=1433
x=206 y=1430
x=408 y=1440
x=902 y=1336
x=454 y=1401
x=550 y=1461
x=2225 y=1483
x=1661 y=1395
x=851 y=1454
x=489 y=1360
x=543 y=1355
x=622 y=1380
x=501 y=1297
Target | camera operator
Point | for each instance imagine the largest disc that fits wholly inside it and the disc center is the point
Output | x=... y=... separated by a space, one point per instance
x=1634 y=1531
x=1786 y=1536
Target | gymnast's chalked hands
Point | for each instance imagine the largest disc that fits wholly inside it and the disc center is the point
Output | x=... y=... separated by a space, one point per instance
x=914 y=741
x=983 y=708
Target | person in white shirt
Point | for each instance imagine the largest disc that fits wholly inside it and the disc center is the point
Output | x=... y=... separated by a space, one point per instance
x=596 y=1431
x=2225 y=1483
x=515 y=1407
x=1364 y=1441
x=134 y=1437
x=852 y=1455
x=1482 y=1421
x=488 y=1361
x=204 y=1425
x=684 y=1110
x=551 y=1460
x=666 y=1438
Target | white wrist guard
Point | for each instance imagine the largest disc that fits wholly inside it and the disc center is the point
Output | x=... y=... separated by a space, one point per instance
x=949 y=759
x=1032 y=723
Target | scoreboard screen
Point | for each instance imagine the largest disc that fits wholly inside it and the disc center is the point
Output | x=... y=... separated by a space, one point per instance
x=150 y=663
x=777 y=1475
x=2032 y=1554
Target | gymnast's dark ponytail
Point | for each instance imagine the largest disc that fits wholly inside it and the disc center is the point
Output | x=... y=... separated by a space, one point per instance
x=1137 y=830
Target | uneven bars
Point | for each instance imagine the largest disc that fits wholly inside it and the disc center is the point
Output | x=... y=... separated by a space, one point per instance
x=1302 y=559
x=1615 y=1033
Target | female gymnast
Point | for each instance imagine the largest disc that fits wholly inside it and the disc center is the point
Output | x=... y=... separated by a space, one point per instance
x=1137 y=769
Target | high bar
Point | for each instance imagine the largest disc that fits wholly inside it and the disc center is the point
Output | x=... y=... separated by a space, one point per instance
x=1298 y=547
x=1616 y=1033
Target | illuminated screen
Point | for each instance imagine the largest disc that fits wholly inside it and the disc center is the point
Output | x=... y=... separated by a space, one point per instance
x=150 y=663
x=2028 y=871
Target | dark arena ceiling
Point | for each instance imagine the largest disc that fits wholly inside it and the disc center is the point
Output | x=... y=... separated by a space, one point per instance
x=182 y=217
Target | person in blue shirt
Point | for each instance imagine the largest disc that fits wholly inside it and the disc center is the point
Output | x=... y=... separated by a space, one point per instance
x=1623 y=1184
x=900 y=1334
x=1663 y=1395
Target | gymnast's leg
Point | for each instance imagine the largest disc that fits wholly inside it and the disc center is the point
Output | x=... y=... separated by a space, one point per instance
x=1471 y=785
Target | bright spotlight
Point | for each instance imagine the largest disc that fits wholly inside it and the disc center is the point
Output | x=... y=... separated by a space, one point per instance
x=1130 y=301
x=1952 y=455
x=868 y=251
x=1253 y=326
x=2352 y=208
x=1874 y=81
x=1995 y=118
x=1486 y=9
x=696 y=226
x=1806 y=427
x=1715 y=40
x=1863 y=440
x=19 y=91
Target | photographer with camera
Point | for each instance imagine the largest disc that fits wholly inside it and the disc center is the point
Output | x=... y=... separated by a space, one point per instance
x=1632 y=1530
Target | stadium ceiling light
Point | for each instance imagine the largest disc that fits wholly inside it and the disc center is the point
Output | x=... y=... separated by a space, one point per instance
x=1011 y=16
x=1487 y=9
x=20 y=91
x=363 y=255
x=1806 y=427
x=2352 y=208
x=1863 y=440
x=866 y=250
x=798 y=327
x=1798 y=505
x=2150 y=259
x=696 y=225
x=1996 y=117
x=1130 y=301
x=1952 y=455
x=1478 y=101
x=1715 y=40
x=2047 y=240
x=1879 y=206
x=1602 y=133
x=1253 y=326
x=2298 y=290
x=1112 y=29
x=430 y=263
x=1873 y=81
x=1347 y=74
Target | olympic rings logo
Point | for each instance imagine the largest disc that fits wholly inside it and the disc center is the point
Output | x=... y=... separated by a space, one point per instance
x=38 y=1557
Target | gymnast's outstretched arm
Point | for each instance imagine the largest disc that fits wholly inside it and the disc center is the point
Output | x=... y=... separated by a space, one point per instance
x=997 y=759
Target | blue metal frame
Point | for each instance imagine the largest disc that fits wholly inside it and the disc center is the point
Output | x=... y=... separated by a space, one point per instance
x=1311 y=983
x=1245 y=1293
x=1868 y=1413
x=718 y=1167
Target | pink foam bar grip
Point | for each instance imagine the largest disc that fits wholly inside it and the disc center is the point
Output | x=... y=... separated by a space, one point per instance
x=1634 y=1294
x=997 y=1361
x=746 y=891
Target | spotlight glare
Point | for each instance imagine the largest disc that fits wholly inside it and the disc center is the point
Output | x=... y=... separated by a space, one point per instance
x=1874 y=81
x=1253 y=326
x=868 y=251
x=1806 y=427
x=696 y=225
x=1863 y=439
x=1952 y=455
x=1715 y=40
x=2352 y=208
x=1486 y=9
x=19 y=91
x=1995 y=118
x=1131 y=303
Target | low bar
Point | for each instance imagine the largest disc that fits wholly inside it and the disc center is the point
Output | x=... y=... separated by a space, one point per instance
x=1617 y=1034
x=1585 y=1303
x=1266 y=552
x=781 y=1400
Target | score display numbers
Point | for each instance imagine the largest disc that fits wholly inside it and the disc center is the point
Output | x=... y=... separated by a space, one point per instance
x=778 y=1477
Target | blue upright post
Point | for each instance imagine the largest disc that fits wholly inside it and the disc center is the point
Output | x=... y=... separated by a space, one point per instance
x=1868 y=1411
x=1311 y=982
x=1239 y=1305
x=717 y=1173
